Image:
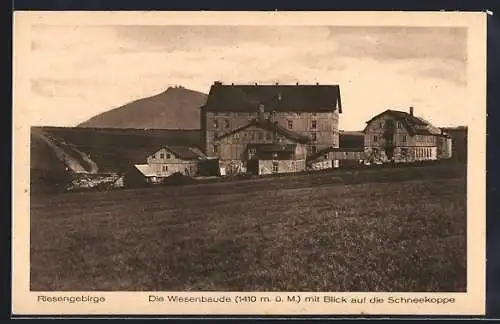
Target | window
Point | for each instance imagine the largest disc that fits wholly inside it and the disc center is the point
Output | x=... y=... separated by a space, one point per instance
x=325 y=156
x=153 y=156
x=169 y=156
x=290 y=124
x=398 y=124
x=404 y=138
x=314 y=136
x=162 y=156
x=299 y=114
x=268 y=136
x=165 y=168
x=382 y=124
x=216 y=148
x=216 y=124
x=313 y=124
x=275 y=167
x=252 y=150
x=252 y=135
x=314 y=114
x=226 y=123
x=236 y=135
x=314 y=149
x=375 y=138
x=260 y=135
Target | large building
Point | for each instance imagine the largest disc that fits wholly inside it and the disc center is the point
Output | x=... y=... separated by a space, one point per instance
x=311 y=111
x=403 y=137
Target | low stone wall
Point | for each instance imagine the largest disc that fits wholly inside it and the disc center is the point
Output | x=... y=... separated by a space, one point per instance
x=82 y=181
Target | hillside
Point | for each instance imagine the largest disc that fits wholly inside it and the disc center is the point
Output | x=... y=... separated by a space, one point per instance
x=175 y=108
x=91 y=150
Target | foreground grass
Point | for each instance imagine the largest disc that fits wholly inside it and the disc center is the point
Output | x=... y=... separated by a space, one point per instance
x=393 y=236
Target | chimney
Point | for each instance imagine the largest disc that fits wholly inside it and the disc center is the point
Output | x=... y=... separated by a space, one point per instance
x=255 y=83
x=260 y=114
x=411 y=111
x=317 y=83
x=277 y=83
x=297 y=83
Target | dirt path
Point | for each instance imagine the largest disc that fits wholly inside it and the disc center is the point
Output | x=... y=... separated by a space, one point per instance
x=72 y=163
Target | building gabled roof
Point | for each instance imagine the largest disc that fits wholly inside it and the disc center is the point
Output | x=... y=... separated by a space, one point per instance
x=185 y=152
x=279 y=98
x=269 y=126
x=414 y=125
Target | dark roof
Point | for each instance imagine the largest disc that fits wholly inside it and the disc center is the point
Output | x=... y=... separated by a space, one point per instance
x=269 y=126
x=414 y=125
x=324 y=151
x=351 y=139
x=286 y=98
x=185 y=152
x=273 y=147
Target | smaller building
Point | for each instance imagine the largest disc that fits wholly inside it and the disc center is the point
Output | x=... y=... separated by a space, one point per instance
x=333 y=157
x=269 y=158
x=350 y=153
x=169 y=160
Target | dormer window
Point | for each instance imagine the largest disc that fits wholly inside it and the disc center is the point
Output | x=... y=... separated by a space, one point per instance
x=162 y=155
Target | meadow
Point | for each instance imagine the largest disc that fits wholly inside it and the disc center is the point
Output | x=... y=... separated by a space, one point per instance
x=367 y=230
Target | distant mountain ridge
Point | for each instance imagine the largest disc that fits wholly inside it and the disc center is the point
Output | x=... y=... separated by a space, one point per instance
x=175 y=108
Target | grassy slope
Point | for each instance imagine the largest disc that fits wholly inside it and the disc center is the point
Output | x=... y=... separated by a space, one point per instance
x=272 y=234
x=112 y=149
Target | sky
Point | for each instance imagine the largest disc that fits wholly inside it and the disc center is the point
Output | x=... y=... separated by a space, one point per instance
x=80 y=71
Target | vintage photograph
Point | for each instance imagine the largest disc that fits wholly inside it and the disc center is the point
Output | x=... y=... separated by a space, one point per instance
x=248 y=163
x=248 y=158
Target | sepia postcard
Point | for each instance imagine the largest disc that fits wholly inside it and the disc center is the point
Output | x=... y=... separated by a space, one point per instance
x=250 y=163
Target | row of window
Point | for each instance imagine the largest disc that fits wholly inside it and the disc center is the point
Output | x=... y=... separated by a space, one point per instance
x=216 y=149
x=252 y=135
x=397 y=123
x=403 y=138
x=239 y=114
x=425 y=139
x=227 y=124
x=423 y=152
x=162 y=156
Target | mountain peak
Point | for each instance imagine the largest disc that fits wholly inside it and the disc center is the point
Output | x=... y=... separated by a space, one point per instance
x=174 y=108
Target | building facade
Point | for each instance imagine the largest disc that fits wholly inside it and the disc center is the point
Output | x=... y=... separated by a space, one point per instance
x=402 y=137
x=168 y=160
x=309 y=110
x=260 y=147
